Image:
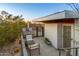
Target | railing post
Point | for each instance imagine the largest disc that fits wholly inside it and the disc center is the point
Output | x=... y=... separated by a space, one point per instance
x=76 y=52
x=59 y=52
x=66 y=52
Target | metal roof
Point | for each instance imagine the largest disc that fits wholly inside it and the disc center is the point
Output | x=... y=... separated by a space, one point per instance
x=58 y=15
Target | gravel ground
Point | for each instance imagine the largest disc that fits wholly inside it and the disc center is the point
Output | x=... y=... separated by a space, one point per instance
x=9 y=50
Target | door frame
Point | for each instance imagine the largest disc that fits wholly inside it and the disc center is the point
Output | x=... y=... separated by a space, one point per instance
x=62 y=31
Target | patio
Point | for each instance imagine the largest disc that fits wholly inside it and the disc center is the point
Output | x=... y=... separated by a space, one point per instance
x=46 y=50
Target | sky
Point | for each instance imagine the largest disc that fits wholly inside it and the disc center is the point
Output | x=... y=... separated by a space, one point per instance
x=33 y=10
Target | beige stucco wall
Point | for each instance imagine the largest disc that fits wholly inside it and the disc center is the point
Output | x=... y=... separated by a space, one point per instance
x=51 y=33
x=71 y=28
x=77 y=31
x=72 y=37
x=76 y=35
x=77 y=39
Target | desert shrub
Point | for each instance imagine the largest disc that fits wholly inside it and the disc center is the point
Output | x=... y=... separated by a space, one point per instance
x=10 y=31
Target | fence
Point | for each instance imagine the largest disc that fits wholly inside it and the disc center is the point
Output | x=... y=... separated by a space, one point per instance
x=68 y=51
x=24 y=51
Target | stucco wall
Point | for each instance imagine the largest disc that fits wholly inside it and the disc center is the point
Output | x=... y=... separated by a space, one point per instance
x=72 y=32
x=77 y=31
x=59 y=35
x=72 y=37
x=71 y=29
x=51 y=33
x=76 y=34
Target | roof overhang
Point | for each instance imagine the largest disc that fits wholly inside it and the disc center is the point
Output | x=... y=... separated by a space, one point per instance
x=66 y=14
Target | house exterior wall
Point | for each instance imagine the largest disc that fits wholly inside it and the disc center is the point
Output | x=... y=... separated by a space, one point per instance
x=72 y=29
x=72 y=32
x=77 y=31
x=77 y=39
x=51 y=33
x=54 y=33
x=37 y=30
x=59 y=35
x=76 y=35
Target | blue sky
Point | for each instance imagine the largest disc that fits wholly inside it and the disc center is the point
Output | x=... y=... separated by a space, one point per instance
x=33 y=10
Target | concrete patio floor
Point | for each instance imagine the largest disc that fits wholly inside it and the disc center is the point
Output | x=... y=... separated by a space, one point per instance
x=46 y=50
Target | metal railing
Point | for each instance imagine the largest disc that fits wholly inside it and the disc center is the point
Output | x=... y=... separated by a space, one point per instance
x=68 y=51
x=24 y=51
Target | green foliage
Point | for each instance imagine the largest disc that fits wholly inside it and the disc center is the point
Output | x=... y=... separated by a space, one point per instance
x=10 y=29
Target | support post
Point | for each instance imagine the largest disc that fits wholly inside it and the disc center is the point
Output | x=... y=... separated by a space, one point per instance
x=59 y=52
x=76 y=52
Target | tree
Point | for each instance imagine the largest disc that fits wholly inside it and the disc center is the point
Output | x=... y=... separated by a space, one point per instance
x=4 y=13
x=18 y=18
x=10 y=29
x=75 y=7
x=9 y=17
